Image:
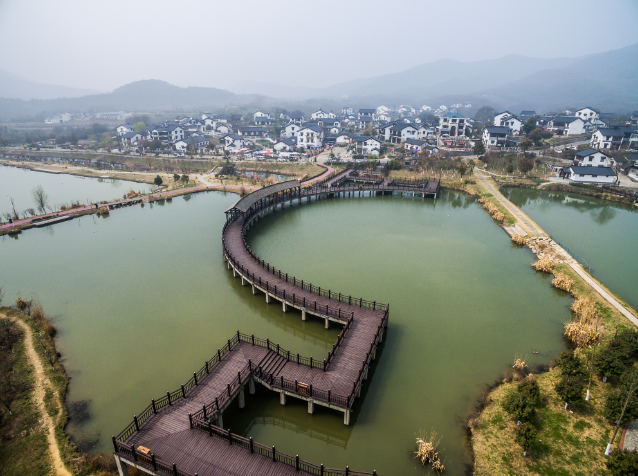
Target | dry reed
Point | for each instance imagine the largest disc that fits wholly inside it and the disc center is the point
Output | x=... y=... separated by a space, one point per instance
x=563 y=282
x=426 y=452
x=103 y=211
x=492 y=210
x=519 y=365
x=585 y=329
x=39 y=316
x=518 y=239
x=544 y=264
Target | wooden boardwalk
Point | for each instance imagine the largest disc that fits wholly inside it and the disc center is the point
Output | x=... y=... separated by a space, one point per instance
x=183 y=433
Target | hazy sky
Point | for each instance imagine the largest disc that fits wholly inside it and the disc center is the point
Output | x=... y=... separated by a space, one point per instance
x=104 y=44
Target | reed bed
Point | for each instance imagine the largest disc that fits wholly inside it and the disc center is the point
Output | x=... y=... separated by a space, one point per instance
x=519 y=239
x=563 y=282
x=427 y=450
x=519 y=365
x=585 y=328
x=544 y=264
x=492 y=210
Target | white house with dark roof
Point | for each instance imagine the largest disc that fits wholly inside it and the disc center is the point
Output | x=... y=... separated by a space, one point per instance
x=415 y=145
x=199 y=142
x=566 y=126
x=261 y=114
x=347 y=110
x=495 y=137
x=130 y=138
x=587 y=114
x=344 y=138
x=607 y=139
x=593 y=158
x=513 y=123
x=596 y=175
x=291 y=129
x=166 y=133
x=319 y=114
x=234 y=142
x=500 y=116
x=400 y=132
x=453 y=124
x=368 y=145
x=262 y=121
x=296 y=117
x=252 y=131
x=364 y=122
x=310 y=136
x=371 y=113
x=285 y=145
x=123 y=129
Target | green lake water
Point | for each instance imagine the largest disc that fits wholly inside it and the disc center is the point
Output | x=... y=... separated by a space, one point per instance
x=142 y=298
x=60 y=188
x=600 y=234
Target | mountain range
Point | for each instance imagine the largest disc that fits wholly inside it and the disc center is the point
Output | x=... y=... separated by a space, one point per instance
x=604 y=80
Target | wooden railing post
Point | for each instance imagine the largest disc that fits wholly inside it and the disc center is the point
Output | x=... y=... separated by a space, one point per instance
x=250 y=443
x=183 y=392
x=153 y=462
x=175 y=473
x=153 y=404
x=297 y=462
x=114 y=443
x=168 y=394
x=190 y=418
x=274 y=455
x=230 y=437
x=137 y=425
x=134 y=453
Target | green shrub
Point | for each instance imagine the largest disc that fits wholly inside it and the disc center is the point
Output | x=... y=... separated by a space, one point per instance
x=525 y=435
x=614 y=404
x=630 y=338
x=570 y=388
x=622 y=463
x=520 y=402
x=570 y=364
x=613 y=359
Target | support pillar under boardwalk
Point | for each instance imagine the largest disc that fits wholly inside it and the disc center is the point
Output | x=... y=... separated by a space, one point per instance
x=243 y=281
x=365 y=374
x=242 y=398
x=311 y=407
x=303 y=314
x=346 y=417
x=122 y=467
x=254 y=289
x=234 y=273
x=284 y=306
x=267 y=298
x=251 y=385
x=327 y=323
x=220 y=420
x=282 y=398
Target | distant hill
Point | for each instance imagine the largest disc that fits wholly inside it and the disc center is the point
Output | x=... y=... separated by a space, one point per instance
x=606 y=80
x=147 y=95
x=16 y=87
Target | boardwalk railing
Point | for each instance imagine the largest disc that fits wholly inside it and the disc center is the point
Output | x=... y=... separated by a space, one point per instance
x=271 y=452
x=148 y=461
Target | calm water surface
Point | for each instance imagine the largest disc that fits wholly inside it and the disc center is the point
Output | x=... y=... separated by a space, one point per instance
x=60 y=188
x=601 y=234
x=142 y=298
x=280 y=177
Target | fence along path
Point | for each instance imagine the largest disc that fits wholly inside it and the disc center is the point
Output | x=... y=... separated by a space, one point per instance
x=182 y=433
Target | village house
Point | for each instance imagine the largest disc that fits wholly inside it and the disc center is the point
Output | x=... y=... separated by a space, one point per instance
x=400 y=132
x=285 y=145
x=593 y=158
x=260 y=114
x=364 y=122
x=296 y=117
x=344 y=138
x=566 y=126
x=366 y=113
x=453 y=124
x=607 y=139
x=320 y=114
x=368 y=145
x=166 y=133
x=525 y=115
x=262 y=121
x=198 y=142
x=329 y=122
x=130 y=138
x=222 y=128
x=123 y=129
x=415 y=145
x=596 y=175
x=251 y=131
x=587 y=114
x=500 y=116
x=232 y=142
x=310 y=137
x=384 y=116
x=58 y=118
x=495 y=137
x=347 y=110
x=291 y=129
x=513 y=123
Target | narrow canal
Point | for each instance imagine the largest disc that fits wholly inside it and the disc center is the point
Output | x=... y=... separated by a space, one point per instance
x=18 y=183
x=142 y=297
x=599 y=233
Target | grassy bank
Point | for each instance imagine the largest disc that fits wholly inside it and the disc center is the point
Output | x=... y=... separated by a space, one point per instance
x=25 y=448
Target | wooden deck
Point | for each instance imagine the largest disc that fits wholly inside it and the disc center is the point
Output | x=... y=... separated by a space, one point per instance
x=184 y=430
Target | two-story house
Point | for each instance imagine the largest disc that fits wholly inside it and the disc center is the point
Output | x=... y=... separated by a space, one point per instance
x=587 y=114
x=310 y=137
x=495 y=137
x=453 y=124
x=368 y=145
x=593 y=158
x=566 y=126
x=607 y=139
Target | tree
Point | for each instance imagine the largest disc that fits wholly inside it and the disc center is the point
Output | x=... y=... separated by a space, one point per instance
x=525 y=435
x=485 y=115
x=623 y=463
x=525 y=164
x=627 y=398
x=176 y=177
x=630 y=338
x=526 y=144
x=40 y=197
x=462 y=169
x=529 y=125
x=570 y=389
x=570 y=364
x=613 y=359
x=509 y=168
x=158 y=181
x=521 y=401
x=184 y=178
x=140 y=128
x=106 y=142
x=479 y=148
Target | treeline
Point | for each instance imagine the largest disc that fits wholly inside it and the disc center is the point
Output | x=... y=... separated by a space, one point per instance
x=62 y=135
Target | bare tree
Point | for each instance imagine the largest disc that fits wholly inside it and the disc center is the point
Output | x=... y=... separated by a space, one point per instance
x=13 y=207
x=41 y=198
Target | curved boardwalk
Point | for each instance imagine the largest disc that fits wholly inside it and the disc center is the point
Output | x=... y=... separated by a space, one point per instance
x=183 y=432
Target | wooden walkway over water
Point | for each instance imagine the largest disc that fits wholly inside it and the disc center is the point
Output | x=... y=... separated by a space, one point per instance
x=183 y=432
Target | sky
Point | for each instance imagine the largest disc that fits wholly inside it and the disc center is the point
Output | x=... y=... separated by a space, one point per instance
x=101 y=45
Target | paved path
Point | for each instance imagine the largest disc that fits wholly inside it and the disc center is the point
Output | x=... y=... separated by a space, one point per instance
x=524 y=221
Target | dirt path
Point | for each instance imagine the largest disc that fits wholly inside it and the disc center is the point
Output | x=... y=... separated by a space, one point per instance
x=41 y=383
